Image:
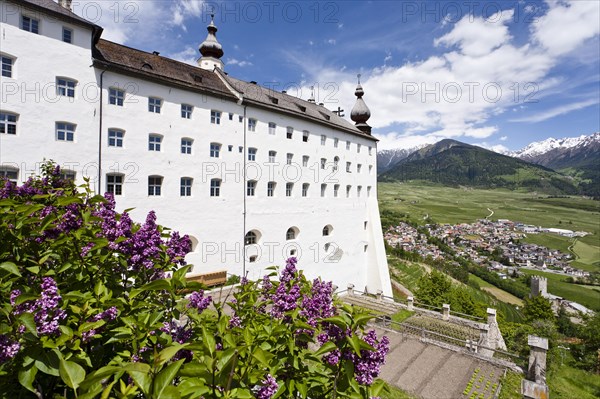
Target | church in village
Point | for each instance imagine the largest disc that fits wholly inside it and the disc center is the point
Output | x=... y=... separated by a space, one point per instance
x=252 y=175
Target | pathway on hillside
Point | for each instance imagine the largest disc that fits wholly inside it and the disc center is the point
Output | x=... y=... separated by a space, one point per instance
x=491 y=213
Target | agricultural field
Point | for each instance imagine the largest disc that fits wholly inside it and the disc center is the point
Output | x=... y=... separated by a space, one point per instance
x=421 y=201
x=496 y=292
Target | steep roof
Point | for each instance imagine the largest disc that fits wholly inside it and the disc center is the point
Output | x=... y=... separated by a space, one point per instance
x=164 y=70
x=56 y=10
x=285 y=103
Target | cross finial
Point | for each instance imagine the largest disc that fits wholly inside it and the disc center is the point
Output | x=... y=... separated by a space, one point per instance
x=358 y=76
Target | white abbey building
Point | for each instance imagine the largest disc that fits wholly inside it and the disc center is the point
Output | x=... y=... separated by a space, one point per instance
x=252 y=175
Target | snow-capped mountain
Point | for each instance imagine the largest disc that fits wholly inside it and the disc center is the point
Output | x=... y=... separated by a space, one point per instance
x=386 y=159
x=538 y=148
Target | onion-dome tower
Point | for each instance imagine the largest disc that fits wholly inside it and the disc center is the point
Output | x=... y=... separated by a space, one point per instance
x=360 y=113
x=210 y=49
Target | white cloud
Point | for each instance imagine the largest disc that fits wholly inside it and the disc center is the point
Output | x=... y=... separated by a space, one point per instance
x=454 y=94
x=553 y=112
x=331 y=41
x=567 y=25
x=388 y=57
x=241 y=64
x=189 y=55
x=503 y=138
x=499 y=148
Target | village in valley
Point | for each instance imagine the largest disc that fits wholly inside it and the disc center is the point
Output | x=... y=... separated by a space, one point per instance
x=497 y=245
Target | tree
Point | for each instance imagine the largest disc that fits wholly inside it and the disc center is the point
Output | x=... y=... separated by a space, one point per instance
x=93 y=304
x=537 y=308
x=434 y=289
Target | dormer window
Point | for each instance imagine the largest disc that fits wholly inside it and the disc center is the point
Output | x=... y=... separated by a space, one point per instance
x=145 y=65
x=30 y=24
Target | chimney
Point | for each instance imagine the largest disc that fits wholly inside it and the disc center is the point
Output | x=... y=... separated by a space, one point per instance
x=66 y=4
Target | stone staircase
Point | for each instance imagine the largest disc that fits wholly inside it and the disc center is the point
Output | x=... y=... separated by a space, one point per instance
x=433 y=372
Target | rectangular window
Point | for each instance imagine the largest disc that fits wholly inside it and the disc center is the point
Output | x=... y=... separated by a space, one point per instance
x=154 y=105
x=289 y=187
x=289 y=158
x=348 y=166
x=305 y=135
x=215 y=150
x=323 y=139
x=215 y=117
x=272 y=128
x=305 y=189
x=154 y=142
x=65 y=131
x=8 y=123
x=358 y=148
x=186 y=146
x=185 y=189
x=7 y=64
x=114 y=184
x=323 y=189
x=230 y=148
x=116 y=96
x=272 y=155
x=271 y=188
x=348 y=188
x=290 y=132
x=336 y=141
x=240 y=118
x=67 y=175
x=358 y=168
x=370 y=150
x=358 y=191
x=323 y=163
x=30 y=24
x=347 y=145
x=115 y=138
x=251 y=125
x=336 y=189
x=251 y=154
x=10 y=174
x=251 y=188
x=154 y=185
x=370 y=169
x=215 y=188
x=186 y=111
x=368 y=191
x=67 y=35
x=305 y=159
x=65 y=87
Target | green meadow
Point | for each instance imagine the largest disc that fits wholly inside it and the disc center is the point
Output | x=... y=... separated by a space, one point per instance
x=422 y=200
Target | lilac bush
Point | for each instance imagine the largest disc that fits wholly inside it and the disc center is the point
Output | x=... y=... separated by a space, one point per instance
x=96 y=305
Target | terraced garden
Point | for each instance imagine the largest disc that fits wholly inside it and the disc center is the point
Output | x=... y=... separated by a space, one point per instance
x=483 y=383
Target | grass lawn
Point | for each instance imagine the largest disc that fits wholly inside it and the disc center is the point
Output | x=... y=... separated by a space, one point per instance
x=465 y=205
x=568 y=382
x=552 y=241
x=496 y=292
x=395 y=393
x=573 y=292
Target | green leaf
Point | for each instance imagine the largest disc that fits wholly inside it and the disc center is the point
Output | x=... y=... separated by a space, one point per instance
x=46 y=361
x=377 y=387
x=181 y=272
x=156 y=285
x=166 y=354
x=354 y=341
x=26 y=378
x=140 y=374
x=71 y=373
x=10 y=268
x=262 y=356
x=99 y=375
x=209 y=341
x=27 y=320
x=165 y=378
x=327 y=347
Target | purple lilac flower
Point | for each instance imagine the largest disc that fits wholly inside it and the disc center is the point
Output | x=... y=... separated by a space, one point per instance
x=108 y=315
x=178 y=247
x=8 y=348
x=235 y=321
x=86 y=249
x=333 y=357
x=47 y=314
x=179 y=333
x=268 y=388
x=367 y=366
x=319 y=304
x=198 y=301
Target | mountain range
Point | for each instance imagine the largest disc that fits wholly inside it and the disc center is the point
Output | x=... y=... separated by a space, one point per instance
x=563 y=166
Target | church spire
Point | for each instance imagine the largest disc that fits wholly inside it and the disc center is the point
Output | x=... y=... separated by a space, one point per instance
x=360 y=113
x=210 y=49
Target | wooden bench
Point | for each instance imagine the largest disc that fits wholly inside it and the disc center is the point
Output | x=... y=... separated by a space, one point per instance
x=209 y=279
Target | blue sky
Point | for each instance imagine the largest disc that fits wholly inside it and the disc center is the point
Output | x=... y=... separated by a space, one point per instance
x=498 y=74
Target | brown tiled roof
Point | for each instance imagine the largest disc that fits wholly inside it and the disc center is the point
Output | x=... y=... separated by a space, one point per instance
x=280 y=102
x=164 y=70
x=56 y=10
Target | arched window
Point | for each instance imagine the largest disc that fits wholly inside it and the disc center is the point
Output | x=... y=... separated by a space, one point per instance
x=252 y=237
x=336 y=161
x=327 y=230
x=194 y=243
x=291 y=234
